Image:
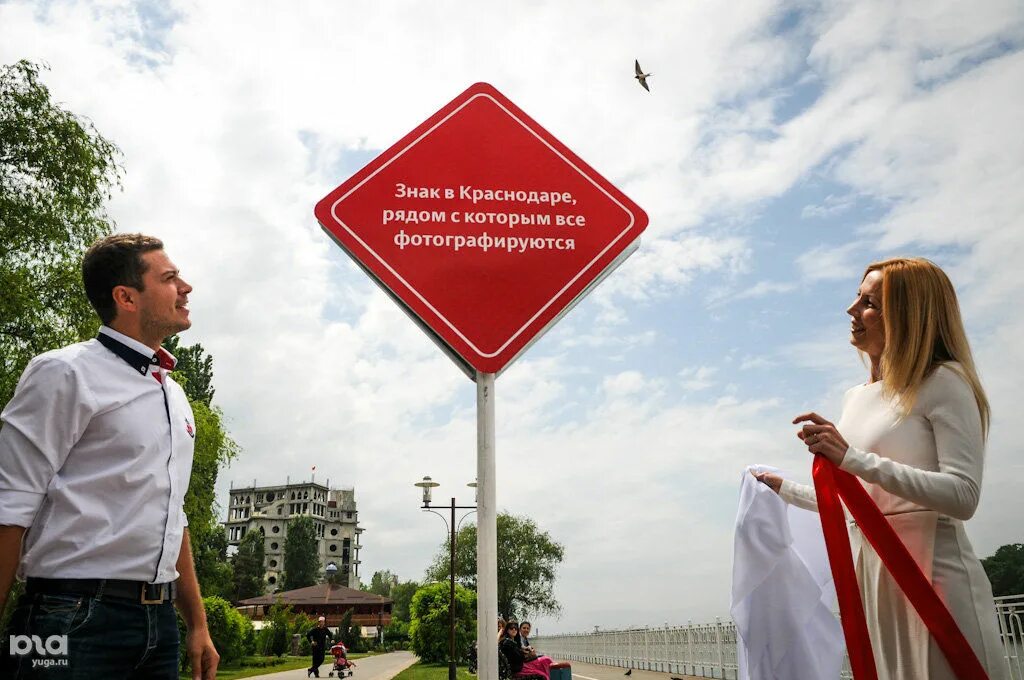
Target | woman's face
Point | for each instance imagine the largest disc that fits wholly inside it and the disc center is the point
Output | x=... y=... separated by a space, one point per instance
x=867 y=332
x=511 y=630
x=525 y=630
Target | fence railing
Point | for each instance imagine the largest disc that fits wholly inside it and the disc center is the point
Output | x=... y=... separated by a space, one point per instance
x=708 y=650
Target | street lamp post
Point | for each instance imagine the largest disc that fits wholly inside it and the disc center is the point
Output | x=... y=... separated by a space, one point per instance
x=427 y=484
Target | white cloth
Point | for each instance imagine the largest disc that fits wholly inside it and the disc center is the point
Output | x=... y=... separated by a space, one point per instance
x=95 y=459
x=782 y=590
x=923 y=470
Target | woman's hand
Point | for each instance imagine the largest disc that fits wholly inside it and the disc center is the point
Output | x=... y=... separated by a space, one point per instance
x=821 y=437
x=770 y=479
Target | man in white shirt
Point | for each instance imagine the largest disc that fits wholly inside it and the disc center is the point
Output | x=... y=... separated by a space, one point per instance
x=95 y=458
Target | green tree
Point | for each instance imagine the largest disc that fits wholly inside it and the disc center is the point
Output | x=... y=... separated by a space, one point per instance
x=248 y=567
x=194 y=369
x=274 y=635
x=56 y=174
x=1005 y=570
x=428 y=631
x=300 y=625
x=228 y=628
x=349 y=633
x=301 y=562
x=527 y=560
x=401 y=598
x=213 y=450
x=381 y=583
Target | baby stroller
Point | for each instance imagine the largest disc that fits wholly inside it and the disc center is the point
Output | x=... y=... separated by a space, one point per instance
x=342 y=665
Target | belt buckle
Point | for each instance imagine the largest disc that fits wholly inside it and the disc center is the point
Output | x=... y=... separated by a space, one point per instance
x=160 y=589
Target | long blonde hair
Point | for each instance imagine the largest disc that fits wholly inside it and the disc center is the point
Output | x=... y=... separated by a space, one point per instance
x=923 y=329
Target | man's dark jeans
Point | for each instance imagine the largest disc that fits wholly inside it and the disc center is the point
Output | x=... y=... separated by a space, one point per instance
x=106 y=638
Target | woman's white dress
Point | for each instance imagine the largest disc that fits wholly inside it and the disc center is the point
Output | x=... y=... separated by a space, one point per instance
x=924 y=473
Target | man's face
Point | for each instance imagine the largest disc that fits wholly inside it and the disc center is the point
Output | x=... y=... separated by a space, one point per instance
x=163 y=302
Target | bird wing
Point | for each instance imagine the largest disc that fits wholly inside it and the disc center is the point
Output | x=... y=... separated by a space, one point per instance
x=639 y=71
x=643 y=81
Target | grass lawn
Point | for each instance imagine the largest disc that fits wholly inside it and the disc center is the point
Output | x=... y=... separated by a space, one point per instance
x=287 y=663
x=432 y=671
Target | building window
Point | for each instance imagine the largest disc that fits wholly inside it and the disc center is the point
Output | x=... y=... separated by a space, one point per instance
x=332 y=547
x=273 y=546
x=280 y=509
x=272 y=580
x=262 y=532
x=334 y=532
x=348 y=515
x=273 y=564
x=276 y=529
x=270 y=496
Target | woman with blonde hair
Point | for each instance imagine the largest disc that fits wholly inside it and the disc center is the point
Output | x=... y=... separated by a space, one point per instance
x=914 y=434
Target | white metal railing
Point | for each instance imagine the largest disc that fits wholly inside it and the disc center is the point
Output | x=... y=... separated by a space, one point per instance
x=1010 y=611
x=708 y=650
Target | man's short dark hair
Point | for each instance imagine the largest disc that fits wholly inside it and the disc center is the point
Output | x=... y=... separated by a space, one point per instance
x=115 y=260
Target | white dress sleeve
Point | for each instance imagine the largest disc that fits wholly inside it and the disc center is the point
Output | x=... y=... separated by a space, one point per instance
x=800 y=495
x=947 y=401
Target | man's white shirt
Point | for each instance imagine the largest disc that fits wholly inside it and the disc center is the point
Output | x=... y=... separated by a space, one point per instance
x=95 y=458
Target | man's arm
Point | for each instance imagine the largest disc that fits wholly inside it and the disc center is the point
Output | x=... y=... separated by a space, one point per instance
x=201 y=652
x=10 y=555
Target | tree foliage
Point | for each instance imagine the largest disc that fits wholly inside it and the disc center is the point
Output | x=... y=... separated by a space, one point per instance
x=213 y=449
x=301 y=561
x=348 y=633
x=1005 y=570
x=248 y=567
x=527 y=560
x=273 y=639
x=428 y=631
x=381 y=583
x=401 y=600
x=229 y=629
x=194 y=369
x=56 y=173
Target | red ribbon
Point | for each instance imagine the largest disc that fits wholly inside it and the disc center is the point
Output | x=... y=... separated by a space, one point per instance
x=831 y=483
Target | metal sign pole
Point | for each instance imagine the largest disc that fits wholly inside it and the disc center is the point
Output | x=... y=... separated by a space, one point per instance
x=487 y=532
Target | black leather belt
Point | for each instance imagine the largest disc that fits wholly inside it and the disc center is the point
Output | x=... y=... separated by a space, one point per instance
x=135 y=591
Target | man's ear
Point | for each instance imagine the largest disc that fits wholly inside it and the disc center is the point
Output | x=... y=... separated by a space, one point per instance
x=126 y=298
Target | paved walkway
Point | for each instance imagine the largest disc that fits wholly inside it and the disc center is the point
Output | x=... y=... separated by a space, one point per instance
x=589 y=671
x=380 y=667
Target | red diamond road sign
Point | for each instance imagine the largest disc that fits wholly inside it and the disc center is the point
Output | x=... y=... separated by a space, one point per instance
x=483 y=226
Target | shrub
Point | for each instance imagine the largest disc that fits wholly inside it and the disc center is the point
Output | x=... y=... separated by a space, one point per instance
x=231 y=632
x=428 y=631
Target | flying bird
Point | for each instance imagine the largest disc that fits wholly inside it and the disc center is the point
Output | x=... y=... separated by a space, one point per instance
x=641 y=76
x=630 y=671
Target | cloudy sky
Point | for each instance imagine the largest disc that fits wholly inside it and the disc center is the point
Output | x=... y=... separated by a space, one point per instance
x=784 y=145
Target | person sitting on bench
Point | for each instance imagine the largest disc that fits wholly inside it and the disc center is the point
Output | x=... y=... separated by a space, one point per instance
x=512 y=649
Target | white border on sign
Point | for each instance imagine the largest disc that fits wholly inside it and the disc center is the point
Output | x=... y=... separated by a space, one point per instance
x=334 y=206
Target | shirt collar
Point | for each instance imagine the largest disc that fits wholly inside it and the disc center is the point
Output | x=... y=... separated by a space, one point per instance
x=135 y=354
